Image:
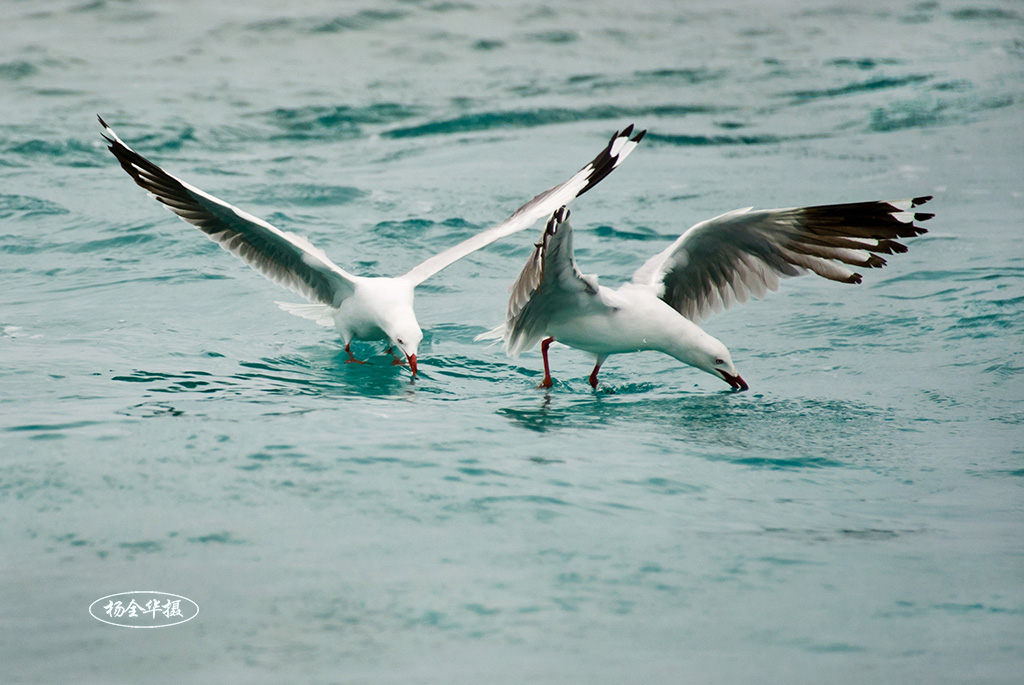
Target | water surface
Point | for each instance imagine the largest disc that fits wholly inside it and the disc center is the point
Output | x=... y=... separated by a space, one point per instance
x=855 y=517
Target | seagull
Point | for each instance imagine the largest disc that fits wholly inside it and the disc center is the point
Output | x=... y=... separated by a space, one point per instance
x=714 y=264
x=359 y=307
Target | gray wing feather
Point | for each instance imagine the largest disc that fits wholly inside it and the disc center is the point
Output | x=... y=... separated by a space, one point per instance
x=744 y=253
x=549 y=285
x=285 y=258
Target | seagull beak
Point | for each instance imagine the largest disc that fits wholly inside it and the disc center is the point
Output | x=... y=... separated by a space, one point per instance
x=412 y=363
x=737 y=383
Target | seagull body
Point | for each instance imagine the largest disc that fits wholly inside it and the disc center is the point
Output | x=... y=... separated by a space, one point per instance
x=359 y=307
x=725 y=260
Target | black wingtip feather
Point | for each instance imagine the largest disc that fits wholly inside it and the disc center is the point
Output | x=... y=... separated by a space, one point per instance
x=605 y=162
x=106 y=128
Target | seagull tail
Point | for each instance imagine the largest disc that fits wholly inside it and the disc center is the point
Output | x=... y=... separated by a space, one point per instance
x=321 y=313
x=496 y=335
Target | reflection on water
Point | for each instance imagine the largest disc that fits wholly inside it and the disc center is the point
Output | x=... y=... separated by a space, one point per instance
x=745 y=429
x=288 y=376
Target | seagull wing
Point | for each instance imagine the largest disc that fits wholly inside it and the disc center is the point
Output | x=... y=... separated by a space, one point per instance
x=550 y=286
x=743 y=253
x=618 y=148
x=283 y=257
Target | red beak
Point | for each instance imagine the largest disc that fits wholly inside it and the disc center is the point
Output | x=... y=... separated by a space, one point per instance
x=737 y=383
x=412 y=363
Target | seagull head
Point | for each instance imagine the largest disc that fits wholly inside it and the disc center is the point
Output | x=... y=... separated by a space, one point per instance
x=707 y=353
x=407 y=339
x=719 y=363
x=390 y=302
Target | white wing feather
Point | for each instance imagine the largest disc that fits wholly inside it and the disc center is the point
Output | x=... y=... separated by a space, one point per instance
x=618 y=148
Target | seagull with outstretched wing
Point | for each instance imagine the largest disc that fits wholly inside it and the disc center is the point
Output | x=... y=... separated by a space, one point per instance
x=359 y=307
x=714 y=264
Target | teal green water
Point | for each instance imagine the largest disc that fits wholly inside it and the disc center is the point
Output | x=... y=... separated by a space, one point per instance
x=855 y=517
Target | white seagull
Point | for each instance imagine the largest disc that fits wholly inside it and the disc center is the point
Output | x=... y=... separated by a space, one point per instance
x=359 y=307
x=714 y=264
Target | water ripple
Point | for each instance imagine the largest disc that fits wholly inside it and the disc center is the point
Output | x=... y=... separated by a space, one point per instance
x=530 y=118
x=333 y=122
x=24 y=207
x=358 y=21
x=881 y=83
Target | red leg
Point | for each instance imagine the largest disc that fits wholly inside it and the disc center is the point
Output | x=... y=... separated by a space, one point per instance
x=546 y=383
x=351 y=357
x=593 y=375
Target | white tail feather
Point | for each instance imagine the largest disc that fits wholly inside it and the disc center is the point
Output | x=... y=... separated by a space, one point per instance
x=321 y=313
x=496 y=335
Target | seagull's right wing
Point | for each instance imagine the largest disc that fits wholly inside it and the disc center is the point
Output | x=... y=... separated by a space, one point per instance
x=550 y=285
x=618 y=148
x=283 y=257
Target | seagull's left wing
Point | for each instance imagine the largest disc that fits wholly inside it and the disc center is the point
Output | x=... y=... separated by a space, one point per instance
x=285 y=258
x=618 y=148
x=550 y=285
x=743 y=253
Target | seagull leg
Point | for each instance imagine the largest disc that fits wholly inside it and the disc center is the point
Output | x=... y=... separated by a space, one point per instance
x=546 y=383
x=351 y=357
x=593 y=374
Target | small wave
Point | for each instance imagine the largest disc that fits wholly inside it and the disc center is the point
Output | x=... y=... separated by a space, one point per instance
x=639 y=233
x=224 y=538
x=986 y=14
x=554 y=36
x=785 y=463
x=967 y=275
x=667 y=486
x=510 y=119
x=72 y=152
x=334 y=122
x=680 y=76
x=110 y=245
x=144 y=546
x=926 y=112
x=25 y=206
x=309 y=194
x=711 y=140
x=195 y=381
x=169 y=138
x=16 y=71
x=988 y=325
x=871 y=85
x=502 y=504
x=862 y=63
x=359 y=21
x=50 y=428
x=667 y=78
x=486 y=45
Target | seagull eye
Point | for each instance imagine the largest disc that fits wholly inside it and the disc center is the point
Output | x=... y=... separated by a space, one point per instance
x=399 y=341
x=719 y=362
